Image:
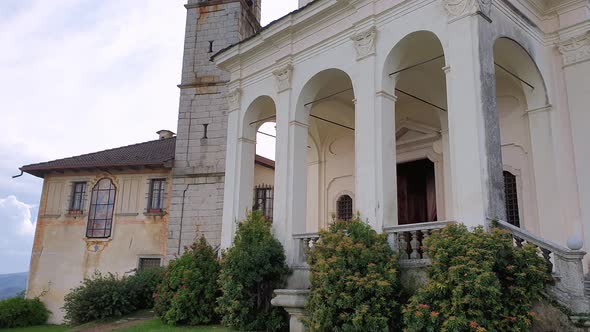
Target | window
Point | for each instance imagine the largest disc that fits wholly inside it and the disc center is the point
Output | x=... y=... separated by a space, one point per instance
x=344 y=207
x=78 y=196
x=263 y=200
x=102 y=203
x=156 y=195
x=148 y=263
x=511 y=194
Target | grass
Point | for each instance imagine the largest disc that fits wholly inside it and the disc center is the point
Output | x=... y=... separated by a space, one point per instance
x=154 y=325
x=42 y=328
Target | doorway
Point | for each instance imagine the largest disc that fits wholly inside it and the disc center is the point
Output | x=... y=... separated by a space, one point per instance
x=416 y=192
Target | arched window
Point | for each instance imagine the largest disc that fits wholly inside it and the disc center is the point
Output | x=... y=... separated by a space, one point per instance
x=344 y=207
x=102 y=204
x=511 y=194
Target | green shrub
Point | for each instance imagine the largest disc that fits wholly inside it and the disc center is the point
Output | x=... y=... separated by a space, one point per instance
x=141 y=287
x=99 y=297
x=251 y=270
x=478 y=281
x=20 y=312
x=354 y=280
x=189 y=287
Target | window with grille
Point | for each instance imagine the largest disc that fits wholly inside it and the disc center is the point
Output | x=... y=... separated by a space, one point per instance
x=263 y=200
x=344 y=207
x=77 y=198
x=511 y=194
x=102 y=204
x=148 y=263
x=156 y=195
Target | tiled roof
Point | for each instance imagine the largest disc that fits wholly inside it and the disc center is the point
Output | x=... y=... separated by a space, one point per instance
x=260 y=160
x=159 y=153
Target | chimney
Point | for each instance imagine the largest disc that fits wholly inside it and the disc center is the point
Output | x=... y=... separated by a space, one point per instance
x=163 y=134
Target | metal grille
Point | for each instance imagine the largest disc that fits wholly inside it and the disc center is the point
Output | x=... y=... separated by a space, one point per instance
x=102 y=204
x=157 y=194
x=149 y=263
x=263 y=200
x=344 y=206
x=511 y=194
x=78 y=193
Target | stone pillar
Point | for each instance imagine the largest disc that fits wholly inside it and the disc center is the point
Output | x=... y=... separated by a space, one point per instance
x=231 y=169
x=544 y=170
x=385 y=163
x=293 y=301
x=281 y=193
x=364 y=176
x=446 y=152
x=474 y=133
x=576 y=67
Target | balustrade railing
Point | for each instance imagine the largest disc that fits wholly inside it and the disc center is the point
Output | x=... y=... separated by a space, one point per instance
x=409 y=240
x=565 y=265
x=304 y=242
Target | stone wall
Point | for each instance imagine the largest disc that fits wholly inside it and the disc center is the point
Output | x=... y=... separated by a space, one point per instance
x=199 y=170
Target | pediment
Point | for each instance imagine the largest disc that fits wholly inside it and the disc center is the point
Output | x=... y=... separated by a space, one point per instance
x=411 y=132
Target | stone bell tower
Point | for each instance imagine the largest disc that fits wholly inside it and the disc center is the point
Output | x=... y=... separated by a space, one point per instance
x=196 y=204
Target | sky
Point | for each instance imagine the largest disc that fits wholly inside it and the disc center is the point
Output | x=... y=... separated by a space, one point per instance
x=78 y=76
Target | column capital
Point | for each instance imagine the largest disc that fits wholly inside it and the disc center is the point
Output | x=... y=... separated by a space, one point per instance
x=541 y=109
x=386 y=95
x=457 y=9
x=233 y=99
x=283 y=77
x=575 y=50
x=246 y=140
x=364 y=43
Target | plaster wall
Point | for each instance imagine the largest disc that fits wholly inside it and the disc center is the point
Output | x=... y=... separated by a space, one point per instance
x=263 y=175
x=62 y=255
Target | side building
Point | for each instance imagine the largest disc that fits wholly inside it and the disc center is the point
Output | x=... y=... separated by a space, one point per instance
x=108 y=212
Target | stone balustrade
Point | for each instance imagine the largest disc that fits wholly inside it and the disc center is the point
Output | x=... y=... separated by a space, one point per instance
x=305 y=241
x=409 y=240
x=565 y=265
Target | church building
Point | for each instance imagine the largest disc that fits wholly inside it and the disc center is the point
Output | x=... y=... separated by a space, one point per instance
x=411 y=114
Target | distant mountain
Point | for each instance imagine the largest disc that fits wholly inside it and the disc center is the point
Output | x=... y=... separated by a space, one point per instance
x=12 y=284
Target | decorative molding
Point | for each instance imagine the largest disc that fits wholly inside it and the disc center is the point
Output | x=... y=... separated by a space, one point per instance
x=233 y=99
x=457 y=9
x=386 y=95
x=283 y=77
x=364 y=43
x=575 y=50
x=446 y=69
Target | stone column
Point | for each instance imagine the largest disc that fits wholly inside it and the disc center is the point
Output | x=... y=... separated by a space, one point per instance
x=474 y=133
x=231 y=166
x=446 y=152
x=365 y=177
x=576 y=68
x=385 y=163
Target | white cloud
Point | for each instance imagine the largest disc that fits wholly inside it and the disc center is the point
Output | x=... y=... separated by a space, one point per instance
x=18 y=230
x=79 y=76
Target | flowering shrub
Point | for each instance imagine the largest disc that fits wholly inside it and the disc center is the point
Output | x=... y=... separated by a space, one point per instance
x=354 y=280
x=251 y=270
x=478 y=281
x=189 y=289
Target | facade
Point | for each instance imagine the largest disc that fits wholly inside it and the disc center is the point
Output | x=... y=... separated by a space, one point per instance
x=108 y=212
x=410 y=114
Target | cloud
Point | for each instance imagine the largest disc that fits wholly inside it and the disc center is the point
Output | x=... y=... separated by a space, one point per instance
x=18 y=230
x=80 y=76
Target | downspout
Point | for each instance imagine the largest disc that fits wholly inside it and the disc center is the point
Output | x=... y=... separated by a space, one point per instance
x=16 y=176
x=182 y=216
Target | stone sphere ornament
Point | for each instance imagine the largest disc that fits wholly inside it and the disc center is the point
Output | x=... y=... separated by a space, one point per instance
x=574 y=242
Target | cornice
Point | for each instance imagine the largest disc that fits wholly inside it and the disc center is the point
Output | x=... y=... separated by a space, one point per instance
x=575 y=49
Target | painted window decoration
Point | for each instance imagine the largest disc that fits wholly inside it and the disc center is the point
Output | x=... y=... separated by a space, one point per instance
x=156 y=195
x=344 y=207
x=102 y=204
x=263 y=200
x=148 y=263
x=77 y=198
x=511 y=194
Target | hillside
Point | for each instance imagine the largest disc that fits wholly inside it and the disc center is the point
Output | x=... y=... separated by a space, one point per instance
x=12 y=284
